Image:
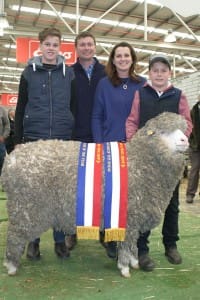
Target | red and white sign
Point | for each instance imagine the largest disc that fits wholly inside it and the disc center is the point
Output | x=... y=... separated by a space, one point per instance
x=27 y=48
x=9 y=99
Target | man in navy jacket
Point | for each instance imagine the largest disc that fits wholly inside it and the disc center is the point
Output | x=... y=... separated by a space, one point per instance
x=88 y=71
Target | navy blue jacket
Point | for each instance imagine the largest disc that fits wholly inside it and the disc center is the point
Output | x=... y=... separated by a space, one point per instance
x=85 y=91
x=112 y=106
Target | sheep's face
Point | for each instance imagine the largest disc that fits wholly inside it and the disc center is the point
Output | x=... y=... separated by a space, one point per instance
x=176 y=141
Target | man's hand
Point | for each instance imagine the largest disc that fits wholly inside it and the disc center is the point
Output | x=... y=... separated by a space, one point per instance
x=2 y=139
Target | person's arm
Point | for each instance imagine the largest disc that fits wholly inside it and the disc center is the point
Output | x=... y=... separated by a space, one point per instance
x=73 y=98
x=98 y=115
x=184 y=110
x=132 y=122
x=73 y=106
x=6 y=125
x=20 y=110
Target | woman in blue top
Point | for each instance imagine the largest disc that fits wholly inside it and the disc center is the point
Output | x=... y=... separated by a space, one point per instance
x=114 y=95
x=113 y=101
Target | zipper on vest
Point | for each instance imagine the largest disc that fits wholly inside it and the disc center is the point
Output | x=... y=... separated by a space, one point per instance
x=50 y=104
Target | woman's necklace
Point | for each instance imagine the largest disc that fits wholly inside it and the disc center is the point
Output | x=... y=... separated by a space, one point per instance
x=125 y=84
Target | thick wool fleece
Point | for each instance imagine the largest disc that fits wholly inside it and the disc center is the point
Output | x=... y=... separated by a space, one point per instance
x=40 y=181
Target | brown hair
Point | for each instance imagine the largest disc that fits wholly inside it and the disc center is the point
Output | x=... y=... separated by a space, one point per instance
x=82 y=35
x=111 y=69
x=49 y=31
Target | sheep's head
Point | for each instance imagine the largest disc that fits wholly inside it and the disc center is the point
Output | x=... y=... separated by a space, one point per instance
x=176 y=141
x=170 y=127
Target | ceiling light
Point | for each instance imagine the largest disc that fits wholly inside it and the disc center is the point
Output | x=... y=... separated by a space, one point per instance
x=10 y=82
x=10 y=46
x=3 y=21
x=1 y=31
x=9 y=59
x=170 y=37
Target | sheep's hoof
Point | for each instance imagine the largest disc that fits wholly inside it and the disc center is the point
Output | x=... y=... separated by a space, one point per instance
x=135 y=267
x=124 y=271
x=12 y=270
x=134 y=263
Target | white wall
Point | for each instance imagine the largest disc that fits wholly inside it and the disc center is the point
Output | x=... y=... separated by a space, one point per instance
x=190 y=85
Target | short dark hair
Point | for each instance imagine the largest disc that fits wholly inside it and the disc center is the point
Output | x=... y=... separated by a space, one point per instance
x=49 y=31
x=83 y=35
x=159 y=58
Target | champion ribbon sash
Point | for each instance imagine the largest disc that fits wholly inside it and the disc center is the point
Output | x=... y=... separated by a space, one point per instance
x=116 y=191
x=88 y=206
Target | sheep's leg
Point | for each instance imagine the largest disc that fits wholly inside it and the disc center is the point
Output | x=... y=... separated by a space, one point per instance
x=15 y=249
x=126 y=259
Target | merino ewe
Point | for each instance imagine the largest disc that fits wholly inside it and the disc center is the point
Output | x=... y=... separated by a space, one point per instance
x=40 y=181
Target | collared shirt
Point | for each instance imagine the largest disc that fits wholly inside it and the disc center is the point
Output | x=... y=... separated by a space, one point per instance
x=159 y=92
x=89 y=70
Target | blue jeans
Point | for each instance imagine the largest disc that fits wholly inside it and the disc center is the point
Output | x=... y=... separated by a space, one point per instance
x=2 y=155
x=169 y=228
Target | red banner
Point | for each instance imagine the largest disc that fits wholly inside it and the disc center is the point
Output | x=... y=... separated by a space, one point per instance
x=27 y=48
x=9 y=99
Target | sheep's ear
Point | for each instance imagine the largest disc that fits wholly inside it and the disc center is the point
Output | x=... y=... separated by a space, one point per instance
x=150 y=132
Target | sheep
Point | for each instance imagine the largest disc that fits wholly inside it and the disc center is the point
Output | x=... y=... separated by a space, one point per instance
x=40 y=181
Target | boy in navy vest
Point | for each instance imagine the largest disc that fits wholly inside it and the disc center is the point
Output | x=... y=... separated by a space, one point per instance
x=156 y=96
